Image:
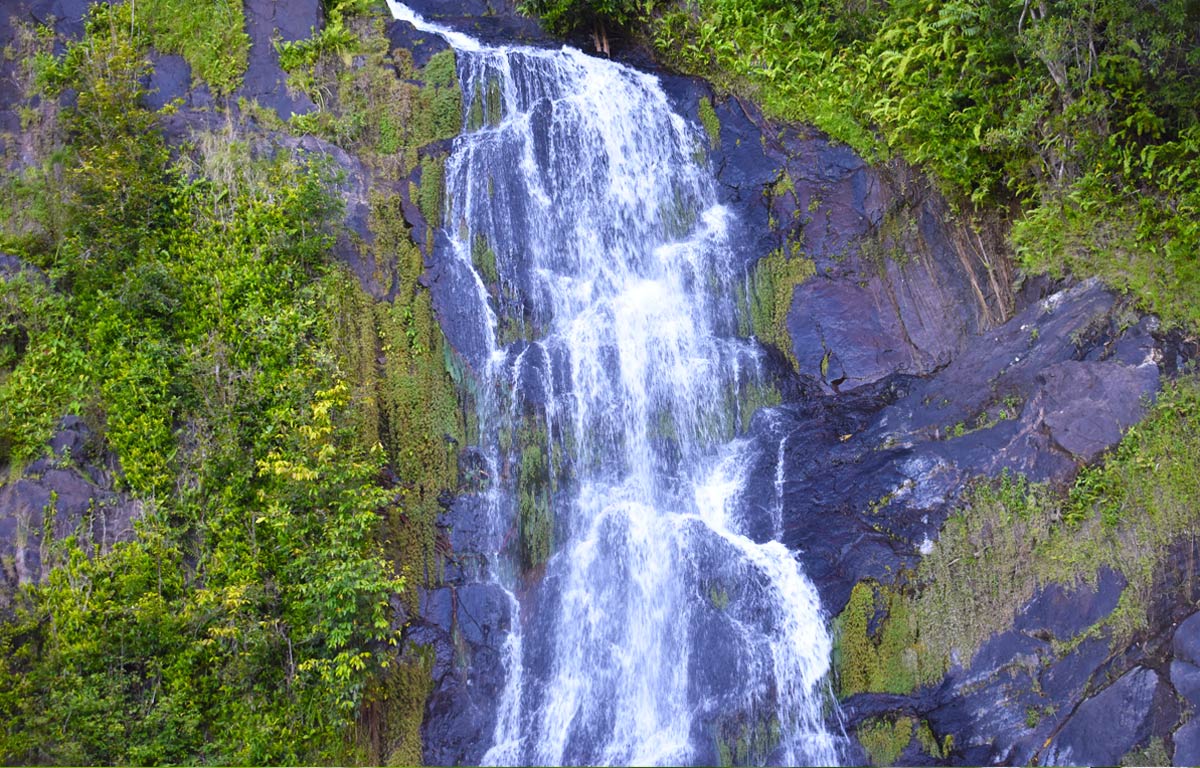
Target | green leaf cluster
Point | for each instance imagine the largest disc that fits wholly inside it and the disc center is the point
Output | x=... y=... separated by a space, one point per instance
x=1083 y=116
x=565 y=16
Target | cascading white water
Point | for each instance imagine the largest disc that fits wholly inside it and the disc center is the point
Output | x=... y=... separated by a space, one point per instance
x=584 y=208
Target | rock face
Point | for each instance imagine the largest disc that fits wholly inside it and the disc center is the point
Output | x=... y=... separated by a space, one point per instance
x=265 y=82
x=68 y=493
x=870 y=473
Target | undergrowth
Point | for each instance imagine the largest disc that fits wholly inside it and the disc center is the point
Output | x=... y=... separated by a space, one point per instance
x=285 y=436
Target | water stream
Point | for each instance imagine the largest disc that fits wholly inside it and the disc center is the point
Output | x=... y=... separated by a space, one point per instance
x=648 y=627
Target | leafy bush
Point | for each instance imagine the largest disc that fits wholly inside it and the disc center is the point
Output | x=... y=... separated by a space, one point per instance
x=564 y=16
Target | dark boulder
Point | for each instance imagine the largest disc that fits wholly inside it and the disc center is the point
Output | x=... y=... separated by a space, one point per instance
x=1187 y=744
x=1110 y=724
x=1186 y=642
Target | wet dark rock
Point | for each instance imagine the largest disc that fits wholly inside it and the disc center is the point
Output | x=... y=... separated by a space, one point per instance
x=469 y=526
x=66 y=16
x=68 y=494
x=1062 y=613
x=1185 y=677
x=1108 y=725
x=492 y=21
x=421 y=45
x=1066 y=679
x=1186 y=643
x=1187 y=744
x=871 y=474
x=171 y=80
x=451 y=285
x=466 y=626
x=1089 y=405
x=265 y=82
x=744 y=174
x=901 y=287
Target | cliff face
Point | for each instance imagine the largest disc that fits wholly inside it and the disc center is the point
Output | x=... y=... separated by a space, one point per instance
x=917 y=369
x=915 y=365
x=912 y=364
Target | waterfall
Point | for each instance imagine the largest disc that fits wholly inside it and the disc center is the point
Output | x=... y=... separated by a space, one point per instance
x=652 y=629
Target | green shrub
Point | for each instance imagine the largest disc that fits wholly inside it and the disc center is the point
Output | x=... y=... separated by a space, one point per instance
x=210 y=35
x=564 y=16
x=884 y=740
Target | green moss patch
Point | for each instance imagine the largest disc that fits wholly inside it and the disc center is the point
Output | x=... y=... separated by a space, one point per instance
x=769 y=298
x=884 y=739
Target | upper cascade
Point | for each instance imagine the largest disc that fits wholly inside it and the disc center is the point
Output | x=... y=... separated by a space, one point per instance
x=581 y=208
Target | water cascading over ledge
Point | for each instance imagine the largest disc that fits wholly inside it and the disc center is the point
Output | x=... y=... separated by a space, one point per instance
x=650 y=627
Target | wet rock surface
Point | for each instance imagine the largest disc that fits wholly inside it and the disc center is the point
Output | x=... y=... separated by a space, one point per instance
x=466 y=624
x=870 y=475
x=68 y=493
x=265 y=82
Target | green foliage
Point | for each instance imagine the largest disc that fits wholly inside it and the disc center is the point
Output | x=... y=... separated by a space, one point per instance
x=487 y=106
x=710 y=121
x=929 y=742
x=45 y=379
x=1153 y=753
x=120 y=169
x=769 y=297
x=420 y=421
x=535 y=521
x=878 y=646
x=195 y=321
x=395 y=709
x=362 y=104
x=484 y=260
x=440 y=115
x=372 y=103
x=747 y=740
x=431 y=196
x=210 y=35
x=564 y=16
x=884 y=740
x=1081 y=113
x=335 y=38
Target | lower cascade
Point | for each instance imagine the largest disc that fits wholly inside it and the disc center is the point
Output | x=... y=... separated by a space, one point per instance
x=656 y=618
